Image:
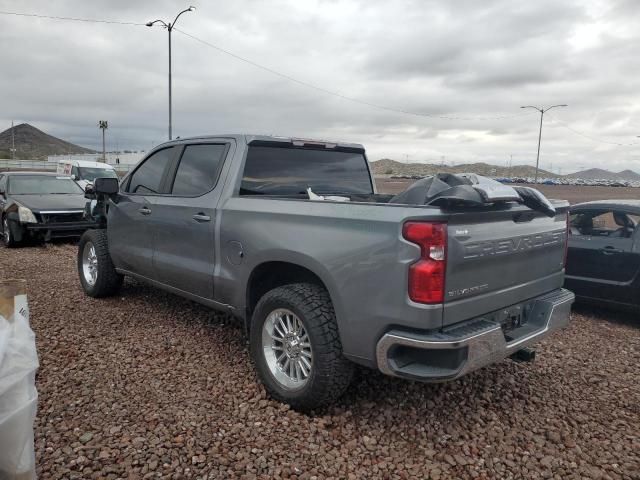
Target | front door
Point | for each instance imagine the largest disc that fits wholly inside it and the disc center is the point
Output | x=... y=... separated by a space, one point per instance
x=184 y=222
x=130 y=216
x=601 y=261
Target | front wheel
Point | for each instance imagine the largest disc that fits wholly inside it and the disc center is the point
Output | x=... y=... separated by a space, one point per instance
x=8 y=238
x=97 y=274
x=296 y=347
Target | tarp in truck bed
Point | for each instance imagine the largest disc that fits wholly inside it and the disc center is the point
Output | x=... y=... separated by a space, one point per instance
x=468 y=189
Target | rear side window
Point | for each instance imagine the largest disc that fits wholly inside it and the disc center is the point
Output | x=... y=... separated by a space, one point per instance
x=148 y=177
x=198 y=170
x=290 y=171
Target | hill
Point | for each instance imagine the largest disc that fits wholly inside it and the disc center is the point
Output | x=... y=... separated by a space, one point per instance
x=601 y=174
x=32 y=143
x=391 y=167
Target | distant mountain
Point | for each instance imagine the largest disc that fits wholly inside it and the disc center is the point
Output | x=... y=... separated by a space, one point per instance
x=600 y=174
x=32 y=143
x=391 y=167
x=629 y=175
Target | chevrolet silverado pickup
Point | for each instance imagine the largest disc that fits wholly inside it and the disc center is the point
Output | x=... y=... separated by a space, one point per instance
x=291 y=237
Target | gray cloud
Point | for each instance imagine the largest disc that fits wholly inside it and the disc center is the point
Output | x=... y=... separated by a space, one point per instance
x=461 y=58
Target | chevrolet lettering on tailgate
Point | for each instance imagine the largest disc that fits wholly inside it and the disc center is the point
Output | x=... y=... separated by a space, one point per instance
x=513 y=245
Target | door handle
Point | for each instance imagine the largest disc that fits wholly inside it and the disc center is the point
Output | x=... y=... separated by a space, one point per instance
x=201 y=217
x=610 y=250
x=145 y=211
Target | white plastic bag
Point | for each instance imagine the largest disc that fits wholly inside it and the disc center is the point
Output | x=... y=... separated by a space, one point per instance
x=18 y=395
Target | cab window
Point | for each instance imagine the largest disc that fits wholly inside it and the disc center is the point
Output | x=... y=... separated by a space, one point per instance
x=147 y=178
x=198 y=169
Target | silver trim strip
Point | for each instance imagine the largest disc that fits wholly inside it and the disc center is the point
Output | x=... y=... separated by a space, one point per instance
x=60 y=211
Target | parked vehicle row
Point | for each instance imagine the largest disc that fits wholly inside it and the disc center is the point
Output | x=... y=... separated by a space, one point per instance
x=548 y=181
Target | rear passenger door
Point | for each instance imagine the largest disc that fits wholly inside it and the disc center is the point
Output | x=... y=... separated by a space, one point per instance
x=184 y=221
x=130 y=217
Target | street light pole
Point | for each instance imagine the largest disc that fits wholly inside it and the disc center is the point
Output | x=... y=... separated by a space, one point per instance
x=169 y=26
x=542 y=111
x=103 y=125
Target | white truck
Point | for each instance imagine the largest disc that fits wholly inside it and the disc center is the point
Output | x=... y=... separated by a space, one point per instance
x=84 y=172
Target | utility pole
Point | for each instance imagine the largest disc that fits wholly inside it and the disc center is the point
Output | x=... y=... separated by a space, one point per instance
x=542 y=111
x=103 y=125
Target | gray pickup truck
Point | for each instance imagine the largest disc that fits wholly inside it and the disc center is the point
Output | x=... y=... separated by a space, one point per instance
x=322 y=282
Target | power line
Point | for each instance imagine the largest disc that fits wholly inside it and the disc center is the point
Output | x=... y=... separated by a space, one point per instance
x=74 y=19
x=317 y=87
x=340 y=95
x=280 y=74
x=590 y=137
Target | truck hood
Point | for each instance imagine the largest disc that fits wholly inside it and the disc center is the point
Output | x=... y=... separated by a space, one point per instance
x=38 y=203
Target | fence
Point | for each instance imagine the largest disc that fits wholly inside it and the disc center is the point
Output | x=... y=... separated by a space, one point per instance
x=43 y=165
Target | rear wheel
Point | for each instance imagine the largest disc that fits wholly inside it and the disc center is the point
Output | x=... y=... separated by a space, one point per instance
x=296 y=347
x=7 y=235
x=97 y=274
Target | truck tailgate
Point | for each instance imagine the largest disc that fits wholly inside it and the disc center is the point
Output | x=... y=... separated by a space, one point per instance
x=499 y=258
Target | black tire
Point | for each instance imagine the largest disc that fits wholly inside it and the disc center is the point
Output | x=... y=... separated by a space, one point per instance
x=8 y=239
x=331 y=372
x=107 y=281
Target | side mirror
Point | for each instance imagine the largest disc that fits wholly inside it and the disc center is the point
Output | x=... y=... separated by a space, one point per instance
x=73 y=177
x=105 y=186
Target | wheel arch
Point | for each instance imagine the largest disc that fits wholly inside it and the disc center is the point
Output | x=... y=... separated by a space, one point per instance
x=271 y=274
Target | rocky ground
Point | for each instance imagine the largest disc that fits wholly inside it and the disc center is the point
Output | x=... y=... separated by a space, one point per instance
x=147 y=385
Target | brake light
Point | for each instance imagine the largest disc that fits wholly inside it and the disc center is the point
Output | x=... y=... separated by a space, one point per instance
x=427 y=275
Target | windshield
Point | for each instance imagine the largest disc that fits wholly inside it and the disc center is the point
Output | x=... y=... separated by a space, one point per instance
x=90 y=173
x=290 y=171
x=42 y=184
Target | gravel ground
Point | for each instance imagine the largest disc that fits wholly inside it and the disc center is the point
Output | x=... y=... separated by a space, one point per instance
x=147 y=385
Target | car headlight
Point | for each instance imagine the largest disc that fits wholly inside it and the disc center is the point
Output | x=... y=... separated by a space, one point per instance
x=26 y=216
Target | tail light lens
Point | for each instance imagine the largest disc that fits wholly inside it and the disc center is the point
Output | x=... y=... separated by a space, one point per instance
x=427 y=275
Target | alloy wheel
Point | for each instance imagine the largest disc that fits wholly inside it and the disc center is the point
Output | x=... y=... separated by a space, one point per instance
x=287 y=349
x=90 y=264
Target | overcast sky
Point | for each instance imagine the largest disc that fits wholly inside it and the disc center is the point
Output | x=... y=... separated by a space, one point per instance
x=460 y=58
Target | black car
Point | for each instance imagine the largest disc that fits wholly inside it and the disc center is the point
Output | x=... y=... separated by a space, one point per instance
x=603 y=261
x=40 y=205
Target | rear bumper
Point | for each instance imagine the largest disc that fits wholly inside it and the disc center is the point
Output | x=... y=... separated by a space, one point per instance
x=465 y=347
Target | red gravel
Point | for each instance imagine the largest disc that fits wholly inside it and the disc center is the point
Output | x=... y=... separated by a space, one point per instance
x=147 y=385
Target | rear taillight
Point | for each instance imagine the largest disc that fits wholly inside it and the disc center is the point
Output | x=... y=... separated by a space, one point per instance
x=426 y=276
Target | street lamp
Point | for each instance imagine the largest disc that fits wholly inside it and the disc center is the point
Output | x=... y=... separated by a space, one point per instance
x=169 y=27
x=103 y=125
x=542 y=110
